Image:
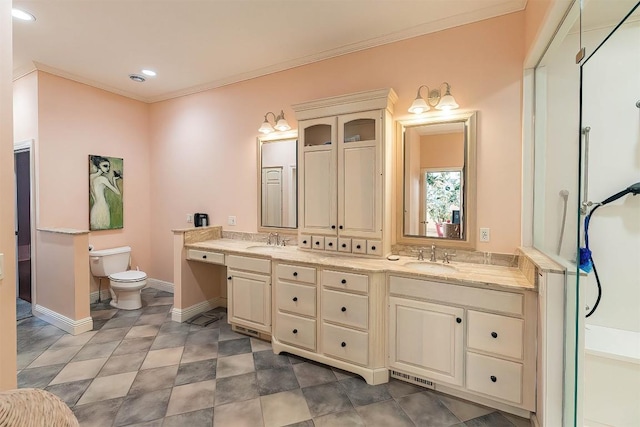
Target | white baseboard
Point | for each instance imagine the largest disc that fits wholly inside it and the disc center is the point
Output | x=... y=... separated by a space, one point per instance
x=74 y=327
x=182 y=315
x=160 y=285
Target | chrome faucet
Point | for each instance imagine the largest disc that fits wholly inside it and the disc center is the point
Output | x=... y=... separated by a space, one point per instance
x=420 y=254
x=277 y=236
x=447 y=257
x=269 y=238
x=432 y=258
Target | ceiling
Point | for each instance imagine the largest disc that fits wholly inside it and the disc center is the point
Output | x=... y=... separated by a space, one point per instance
x=201 y=44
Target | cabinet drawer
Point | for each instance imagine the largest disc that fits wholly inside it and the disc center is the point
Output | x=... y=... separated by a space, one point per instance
x=296 y=330
x=346 y=344
x=296 y=273
x=374 y=247
x=300 y=299
x=358 y=246
x=344 y=244
x=496 y=334
x=494 y=377
x=205 y=256
x=331 y=243
x=345 y=281
x=348 y=309
x=258 y=265
x=305 y=241
x=318 y=242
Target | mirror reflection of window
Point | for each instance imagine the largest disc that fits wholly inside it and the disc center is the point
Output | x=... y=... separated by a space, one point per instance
x=442 y=203
x=278 y=186
x=434 y=180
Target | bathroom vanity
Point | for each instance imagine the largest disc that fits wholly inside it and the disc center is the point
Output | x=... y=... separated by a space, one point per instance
x=464 y=329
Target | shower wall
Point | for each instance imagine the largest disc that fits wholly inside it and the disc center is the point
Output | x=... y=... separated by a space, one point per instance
x=611 y=88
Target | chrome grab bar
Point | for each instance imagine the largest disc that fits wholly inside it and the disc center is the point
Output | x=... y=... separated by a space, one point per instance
x=585 y=193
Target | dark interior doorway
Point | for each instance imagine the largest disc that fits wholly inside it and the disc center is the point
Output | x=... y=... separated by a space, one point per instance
x=22 y=165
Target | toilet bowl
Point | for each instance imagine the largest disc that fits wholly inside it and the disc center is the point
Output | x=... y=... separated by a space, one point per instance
x=125 y=289
x=124 y=285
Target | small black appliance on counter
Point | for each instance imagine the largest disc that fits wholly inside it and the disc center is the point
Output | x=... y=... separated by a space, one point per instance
x=200 y=219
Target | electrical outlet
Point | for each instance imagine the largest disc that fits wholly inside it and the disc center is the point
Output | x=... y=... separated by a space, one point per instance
x=484 y=235
x=189 y=218
x=231 y=220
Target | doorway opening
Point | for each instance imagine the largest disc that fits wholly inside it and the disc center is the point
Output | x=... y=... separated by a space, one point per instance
x=23 y=229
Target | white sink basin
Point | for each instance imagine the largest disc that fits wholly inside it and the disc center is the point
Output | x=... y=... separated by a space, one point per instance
x=265 y=249
x=430 y=267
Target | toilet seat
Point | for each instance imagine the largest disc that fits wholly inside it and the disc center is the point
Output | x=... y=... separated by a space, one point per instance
x=130 y=276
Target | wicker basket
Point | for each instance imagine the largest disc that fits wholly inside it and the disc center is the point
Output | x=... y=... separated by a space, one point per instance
x=32 y=407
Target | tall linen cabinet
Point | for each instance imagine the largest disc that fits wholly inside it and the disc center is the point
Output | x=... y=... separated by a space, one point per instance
x=345 y=171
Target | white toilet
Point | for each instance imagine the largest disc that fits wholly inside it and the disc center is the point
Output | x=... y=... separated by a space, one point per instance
x=125 y=285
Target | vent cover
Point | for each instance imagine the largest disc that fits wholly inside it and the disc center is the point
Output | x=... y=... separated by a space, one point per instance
x=412 y=379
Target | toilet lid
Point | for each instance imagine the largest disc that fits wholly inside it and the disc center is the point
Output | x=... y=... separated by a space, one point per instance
x=128 y=276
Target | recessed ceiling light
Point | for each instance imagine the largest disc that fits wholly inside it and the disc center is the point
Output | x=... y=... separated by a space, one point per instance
x=137 y=78
x=22 y=15
x=149 y=73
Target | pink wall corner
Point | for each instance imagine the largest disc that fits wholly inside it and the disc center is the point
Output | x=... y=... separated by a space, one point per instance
x=535 y=15
x=25 y=108
x=76 y=120
x=7 y=212
x=203 y=145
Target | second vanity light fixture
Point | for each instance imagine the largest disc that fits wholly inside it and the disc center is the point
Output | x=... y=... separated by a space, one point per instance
x=434 y=99
x=279 y=120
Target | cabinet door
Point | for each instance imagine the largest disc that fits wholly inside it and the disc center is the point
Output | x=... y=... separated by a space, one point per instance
x=426 y=340
x=249 y=301
x=318 y=153
x=360 y=175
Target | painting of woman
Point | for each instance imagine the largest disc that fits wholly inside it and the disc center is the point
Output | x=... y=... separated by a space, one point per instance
x=105 y=201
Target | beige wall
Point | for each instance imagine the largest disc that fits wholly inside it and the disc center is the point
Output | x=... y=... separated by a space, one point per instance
x=64 y=263
x=74 y=121
x=7 y=185
x=203 y=145
x=442 y=150
x=25 y=108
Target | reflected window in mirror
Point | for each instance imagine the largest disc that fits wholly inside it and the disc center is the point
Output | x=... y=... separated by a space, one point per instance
x=437 y=199
x=278 y=181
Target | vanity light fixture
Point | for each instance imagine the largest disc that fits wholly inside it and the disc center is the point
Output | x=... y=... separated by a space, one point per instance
x=22 y=15
x=280 y=121
x=434 y=99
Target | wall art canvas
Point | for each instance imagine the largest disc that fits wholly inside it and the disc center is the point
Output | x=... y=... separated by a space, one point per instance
x=105 y=193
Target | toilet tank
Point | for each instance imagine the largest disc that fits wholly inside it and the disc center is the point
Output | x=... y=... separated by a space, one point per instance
x=108 y=261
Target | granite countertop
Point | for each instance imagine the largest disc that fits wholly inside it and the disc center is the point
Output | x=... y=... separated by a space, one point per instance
x=478 y=275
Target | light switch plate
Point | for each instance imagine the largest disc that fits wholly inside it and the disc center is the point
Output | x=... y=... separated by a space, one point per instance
x=1 y=266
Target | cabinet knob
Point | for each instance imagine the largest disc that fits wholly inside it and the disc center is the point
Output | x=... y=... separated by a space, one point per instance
x=295 y=299
x=295 y=331
x=343 y=344
x=373 y=248
x=330 y=243
x=333 y=227
x=358 y=247
x=204 y=257
x=493 y=378
x=494 y=334
x=304 y=241
x=341 y=227
x=318 y=243
x=343 y=309
x=229 y=278
x=344 y=245
x=458 y=319
x=343 y=281
x=295 y=274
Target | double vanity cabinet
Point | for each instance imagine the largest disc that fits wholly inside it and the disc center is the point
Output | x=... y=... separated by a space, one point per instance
x=469 y=332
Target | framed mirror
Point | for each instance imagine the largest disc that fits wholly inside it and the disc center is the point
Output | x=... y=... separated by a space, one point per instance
x=437 y=173
x=278 y=181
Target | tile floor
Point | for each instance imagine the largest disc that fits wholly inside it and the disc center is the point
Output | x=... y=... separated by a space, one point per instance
x=138 y=368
